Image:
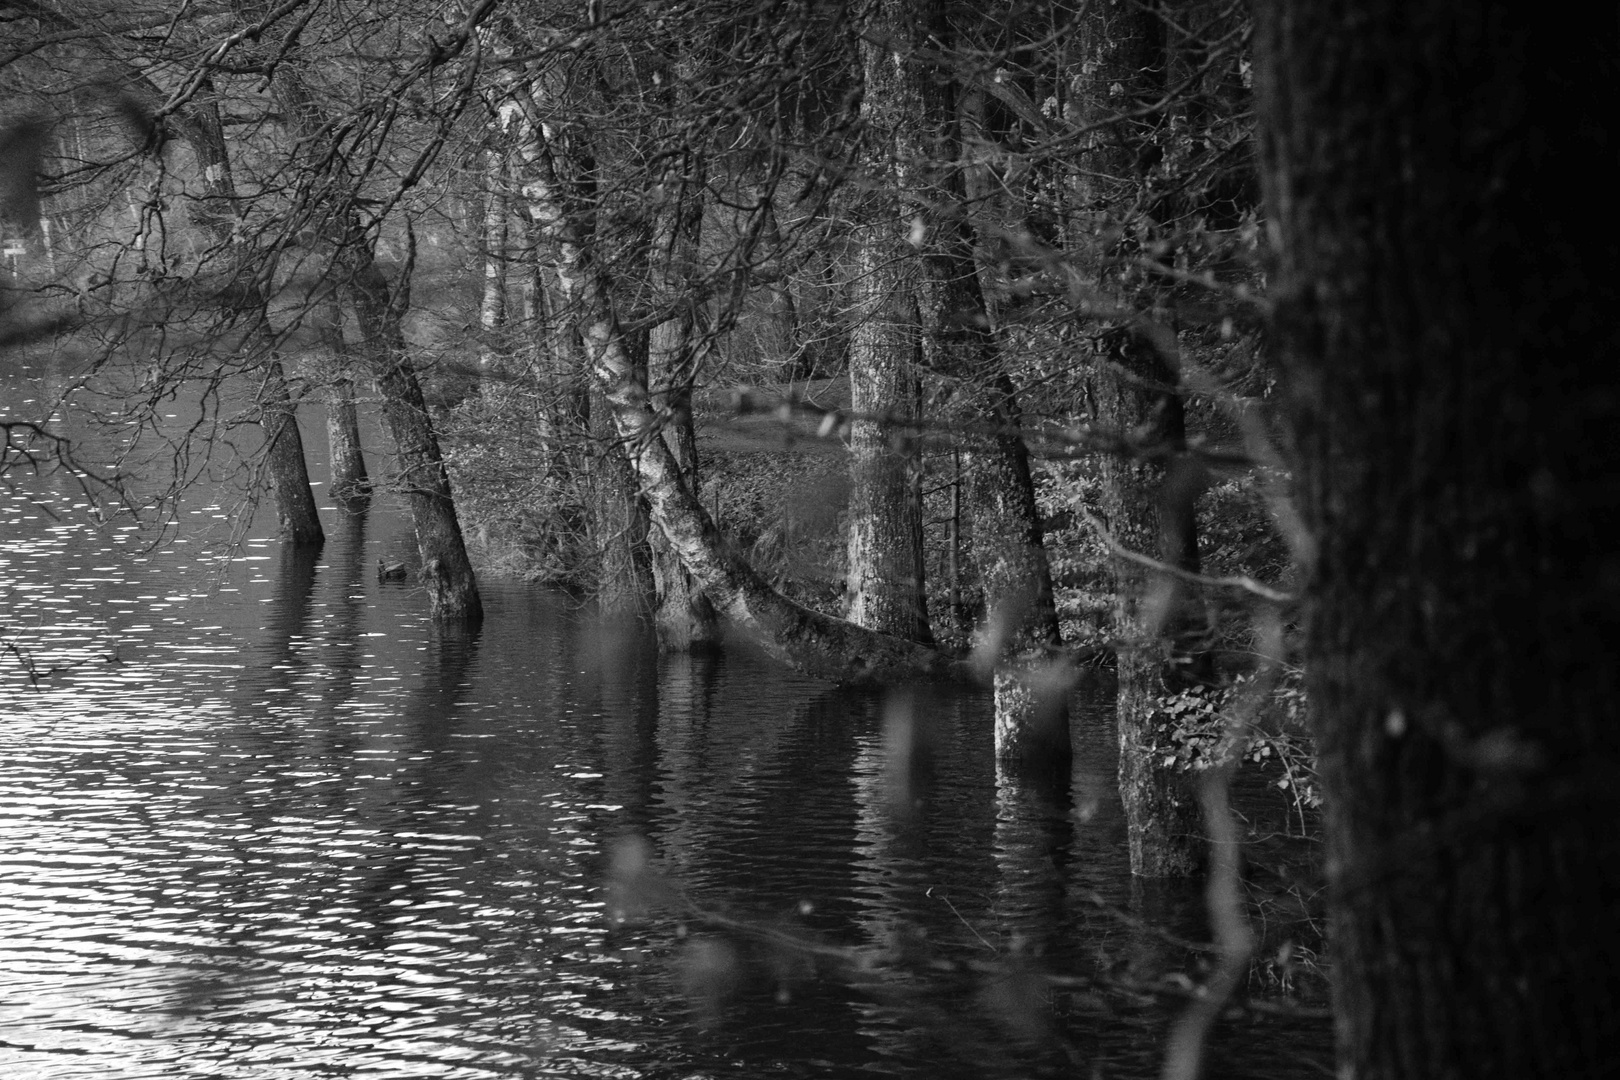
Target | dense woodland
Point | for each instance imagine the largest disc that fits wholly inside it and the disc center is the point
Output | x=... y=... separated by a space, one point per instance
x=1258 y=354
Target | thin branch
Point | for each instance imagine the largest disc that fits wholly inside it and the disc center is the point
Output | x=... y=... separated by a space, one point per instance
x=1239 y=581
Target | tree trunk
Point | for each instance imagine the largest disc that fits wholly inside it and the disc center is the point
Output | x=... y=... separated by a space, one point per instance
x=809 y=641
x=1446 y=309
x=625 y=587
x=1122 y=58
x=685 y=619
x=299 y=521
x=1161 y=809
x=351 y=486
x=446 y=572
x=883 y=588
x=492 y=305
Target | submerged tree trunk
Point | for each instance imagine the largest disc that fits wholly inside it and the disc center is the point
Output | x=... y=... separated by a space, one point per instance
x=1447 y=311
x=350 y=484
x=685 y=619
x=446 y=573
x=299 y=521
x=805 y=639
x=1118 y=41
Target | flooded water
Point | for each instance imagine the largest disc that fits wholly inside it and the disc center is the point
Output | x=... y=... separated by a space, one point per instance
x=256 y=821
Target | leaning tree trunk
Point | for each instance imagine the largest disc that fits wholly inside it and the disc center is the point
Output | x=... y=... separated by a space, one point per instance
x=446 y=573
x=1136 y=397
x=299 y=520
x=1446 y=310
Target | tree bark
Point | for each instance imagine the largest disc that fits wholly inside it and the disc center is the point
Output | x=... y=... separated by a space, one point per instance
x=625 y=586
x=351 y=486
x=685 y=619
x=299 y=521
x=884 y=578
x=446 y=572
x=492 y=304
x=1446 y=310
x=1135 y=388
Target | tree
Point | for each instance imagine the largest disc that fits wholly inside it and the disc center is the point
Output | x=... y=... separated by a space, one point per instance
x=912 y=99
x=884 y=572
x=1445 y=309
x=327 y=204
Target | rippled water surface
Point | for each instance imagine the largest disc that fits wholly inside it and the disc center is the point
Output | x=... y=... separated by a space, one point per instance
x=256 y=822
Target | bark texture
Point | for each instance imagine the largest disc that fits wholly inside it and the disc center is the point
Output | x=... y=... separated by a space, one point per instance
x=625 y=587
x=1119 y=41
x=492 y=304
x=884 y=577
x=1447 y=313
x=684 y=618
x=349 y=480
x=446 y=573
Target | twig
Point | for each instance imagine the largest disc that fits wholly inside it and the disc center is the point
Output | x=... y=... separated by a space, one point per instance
x=1239 y=581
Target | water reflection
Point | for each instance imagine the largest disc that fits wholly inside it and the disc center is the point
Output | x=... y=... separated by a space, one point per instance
x=291 y=832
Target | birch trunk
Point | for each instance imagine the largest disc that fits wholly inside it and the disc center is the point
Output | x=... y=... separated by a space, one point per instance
x=807 y=640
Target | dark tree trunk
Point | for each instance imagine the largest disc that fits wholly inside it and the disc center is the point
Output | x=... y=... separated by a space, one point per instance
x=299 y=520
x=1446 y=309
x=1161 y=809
x=446 y=573
x=624 y=580
x=350 y=484
x=1119 y=43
